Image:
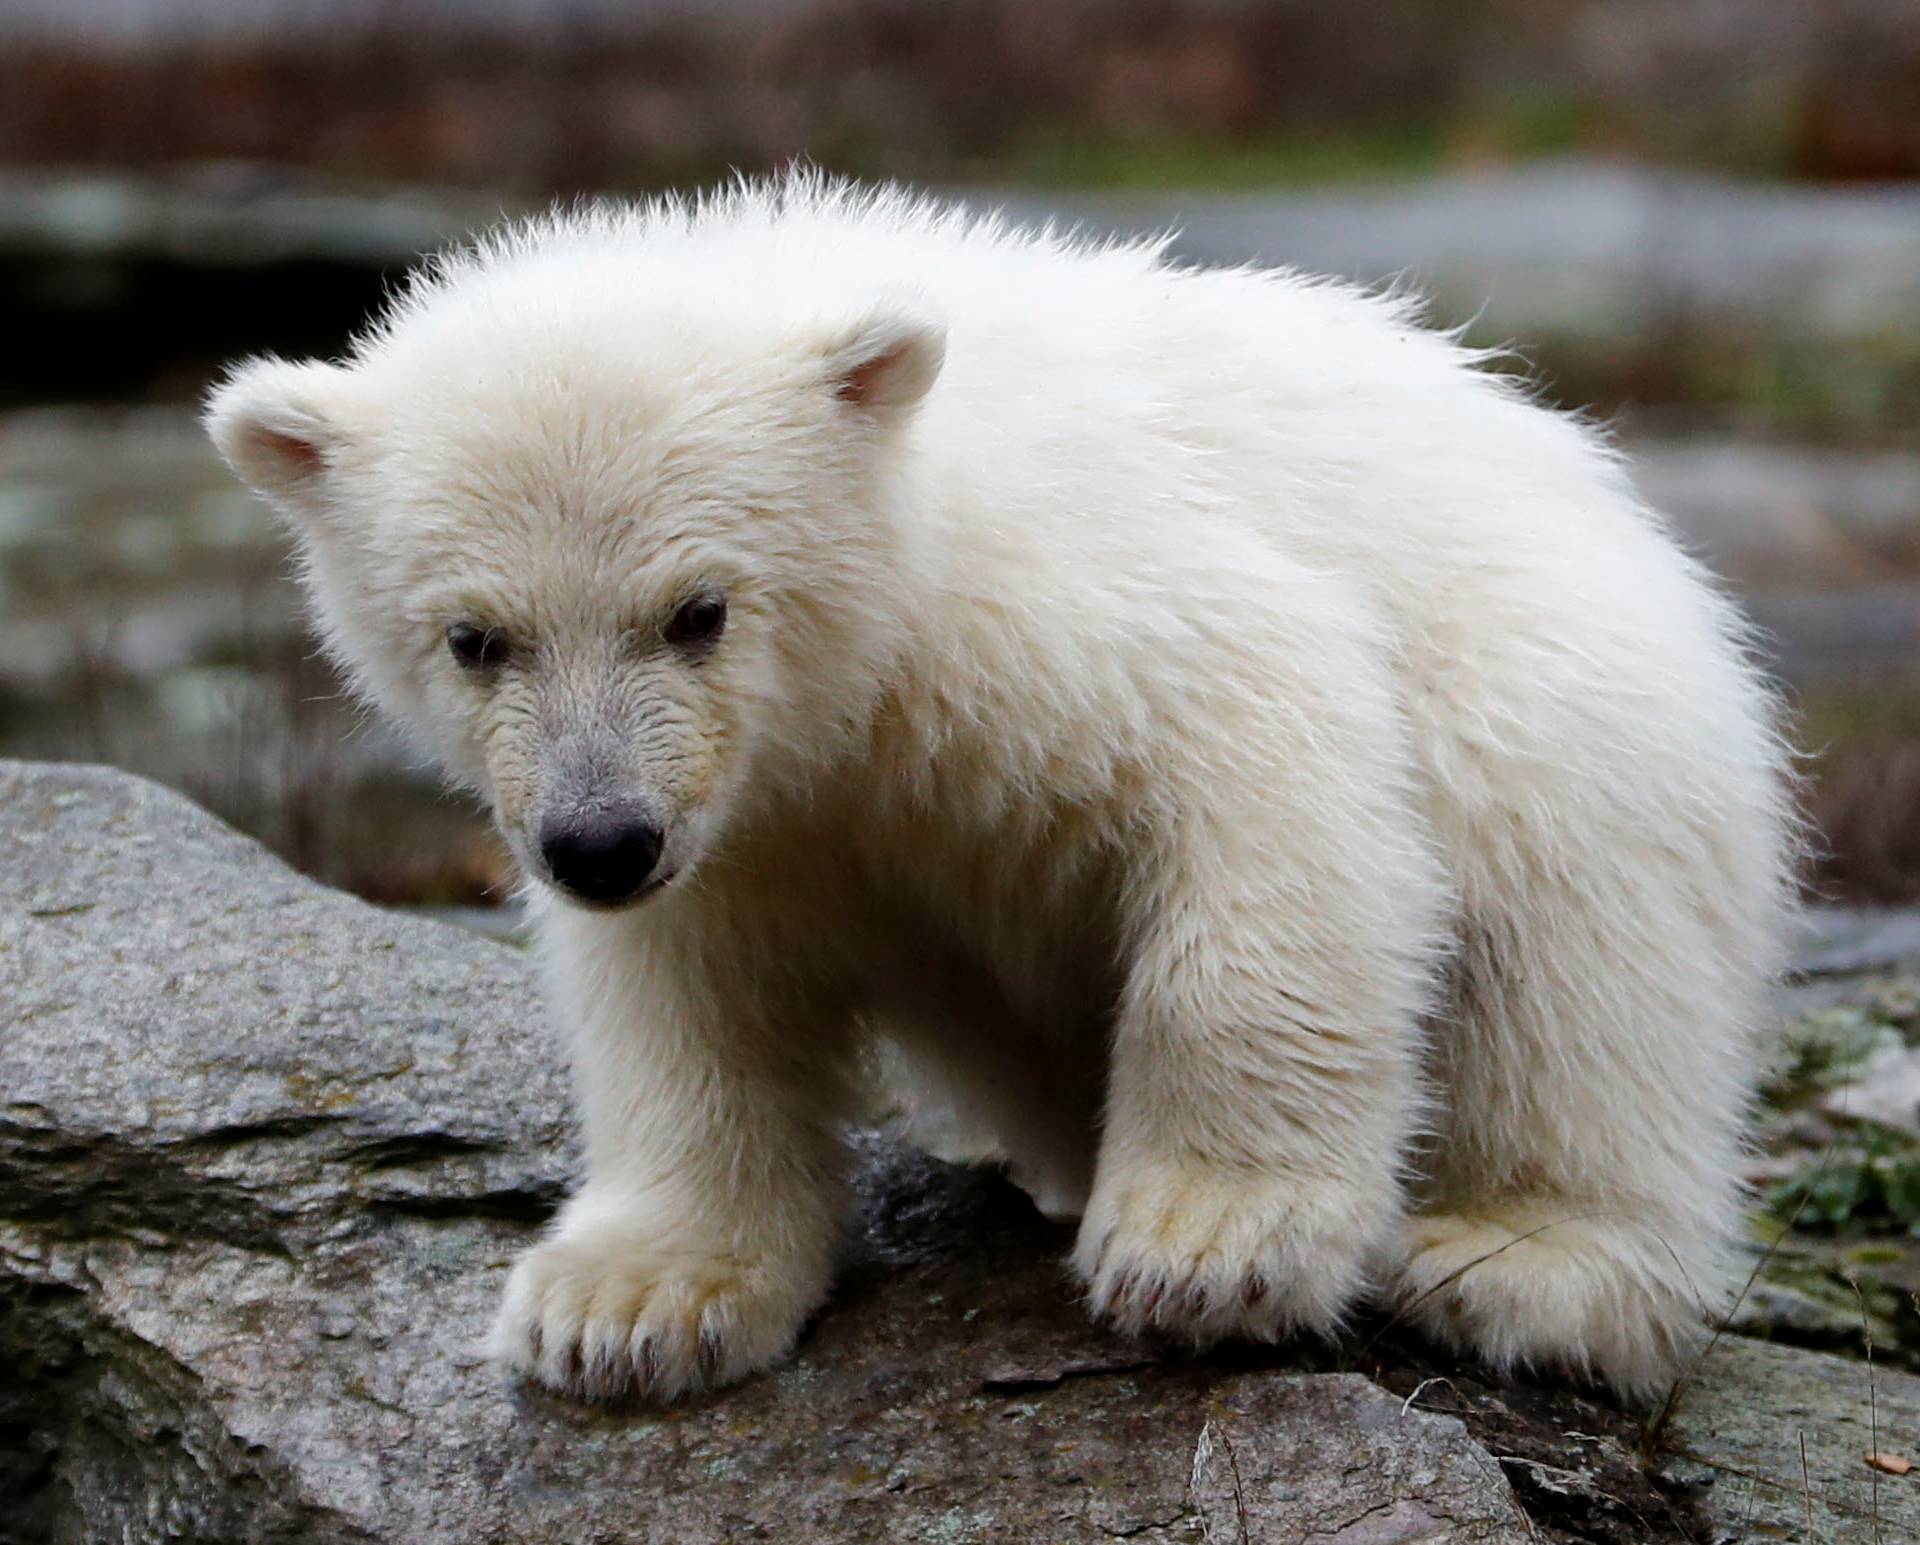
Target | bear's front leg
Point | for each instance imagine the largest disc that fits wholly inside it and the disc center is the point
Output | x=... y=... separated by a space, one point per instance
x=703 y=1235
x=1263 y=1085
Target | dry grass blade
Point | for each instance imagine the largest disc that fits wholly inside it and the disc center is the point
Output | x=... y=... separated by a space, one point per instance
x=1197 y=1474
x=1420 y=1389
x=1239 y=1493
x=1657 y=1423
x=1400 y=1314
x=1873 y=1399
x=1806 y=1483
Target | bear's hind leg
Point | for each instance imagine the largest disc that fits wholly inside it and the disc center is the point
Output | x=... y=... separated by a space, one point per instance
x=1537 y=1282
x=1583 y=1196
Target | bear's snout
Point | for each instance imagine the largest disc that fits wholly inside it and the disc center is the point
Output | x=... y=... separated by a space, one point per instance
x=605 y=858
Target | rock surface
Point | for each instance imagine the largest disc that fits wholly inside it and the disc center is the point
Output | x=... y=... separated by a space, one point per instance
x=1756 y=1413
x=266 y=1152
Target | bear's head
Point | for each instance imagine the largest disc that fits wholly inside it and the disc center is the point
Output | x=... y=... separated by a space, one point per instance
x=624 y=565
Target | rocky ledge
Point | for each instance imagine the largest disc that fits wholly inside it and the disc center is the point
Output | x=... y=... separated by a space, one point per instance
x=266 y=1152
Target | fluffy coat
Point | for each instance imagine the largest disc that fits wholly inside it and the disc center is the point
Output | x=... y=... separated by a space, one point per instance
x=1275 y=779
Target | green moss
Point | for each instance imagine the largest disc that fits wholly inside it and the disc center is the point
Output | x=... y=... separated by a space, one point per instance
x=1842 y=716
x=1862 y=389
x=1515 y=127
x=1826 y=1049
x=1873 y=1185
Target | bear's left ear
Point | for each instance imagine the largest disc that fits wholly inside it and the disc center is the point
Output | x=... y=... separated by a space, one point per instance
x=278 y=424
x=886 y=362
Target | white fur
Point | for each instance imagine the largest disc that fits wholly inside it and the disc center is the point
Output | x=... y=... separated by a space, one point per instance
x=1279 y=780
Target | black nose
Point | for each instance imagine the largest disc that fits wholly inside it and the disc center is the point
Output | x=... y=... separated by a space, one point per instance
x=604 y=858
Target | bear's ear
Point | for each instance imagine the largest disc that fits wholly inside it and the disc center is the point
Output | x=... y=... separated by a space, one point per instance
x=278 y=425
x=887 y=361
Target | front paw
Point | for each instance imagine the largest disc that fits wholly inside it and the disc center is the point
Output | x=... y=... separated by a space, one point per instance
x=606 y=1313
x=1206 y=1254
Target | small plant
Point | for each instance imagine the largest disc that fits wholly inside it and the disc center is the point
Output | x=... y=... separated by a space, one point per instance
x=1824 y=1051
x=1873 y=1185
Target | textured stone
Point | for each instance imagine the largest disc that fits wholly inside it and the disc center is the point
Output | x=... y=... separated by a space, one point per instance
x=1848 y=941
x=1781 y=1436
x=266 y=1152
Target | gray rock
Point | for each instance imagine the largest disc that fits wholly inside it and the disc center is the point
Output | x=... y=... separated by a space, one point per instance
x=1584 y=247
x=1848 y=941
x=266 y=1153
x=1779 y=1308
x=1887 y=1090
x=1782 y=1436
x=1579 y=246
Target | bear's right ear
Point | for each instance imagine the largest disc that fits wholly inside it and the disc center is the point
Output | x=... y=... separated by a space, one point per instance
x=277 y=424
x=886 y=362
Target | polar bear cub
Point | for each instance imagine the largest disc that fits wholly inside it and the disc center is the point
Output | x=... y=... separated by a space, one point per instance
x=1281 y=783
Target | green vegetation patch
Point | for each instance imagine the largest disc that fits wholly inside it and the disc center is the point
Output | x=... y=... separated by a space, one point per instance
x=1872 y=1185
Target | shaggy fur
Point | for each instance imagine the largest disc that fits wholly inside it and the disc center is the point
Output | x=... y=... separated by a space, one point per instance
x=1280 y=783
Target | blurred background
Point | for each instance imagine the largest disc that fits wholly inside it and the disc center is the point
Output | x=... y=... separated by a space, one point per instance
x=1696 y=219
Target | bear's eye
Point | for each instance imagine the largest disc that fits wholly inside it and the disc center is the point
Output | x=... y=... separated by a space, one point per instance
x=700 y=621
x=477 y=649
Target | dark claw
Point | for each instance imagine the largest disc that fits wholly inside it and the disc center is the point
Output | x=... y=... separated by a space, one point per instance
x=709 y=1357
x=649 y=1370
x=535 y=1341
x=1254 y=1291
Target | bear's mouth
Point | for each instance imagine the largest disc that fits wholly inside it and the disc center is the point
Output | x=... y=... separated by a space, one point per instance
x=653 y=886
